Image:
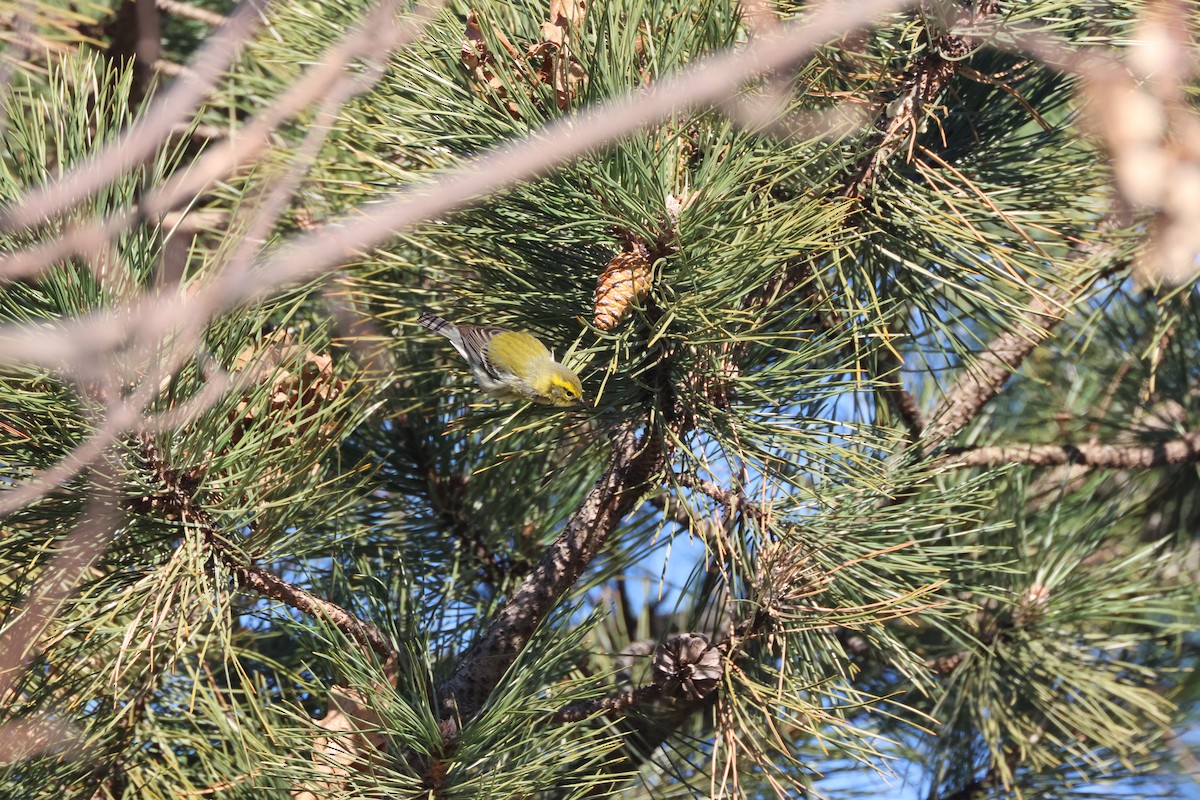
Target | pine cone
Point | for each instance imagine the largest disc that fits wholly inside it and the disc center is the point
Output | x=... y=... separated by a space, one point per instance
x=945 y=665
x=624 y=281
x=687 y=664
x=1034 y=604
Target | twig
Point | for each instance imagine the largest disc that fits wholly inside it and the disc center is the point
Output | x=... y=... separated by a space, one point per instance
x=177 y=104
x=76 y=554
x=734 y=501
x=614 y=495
x=983 y=380
x=1184 y=450
x=908 y=408
x=170 y=68
x=179 y=494
x=202 y=131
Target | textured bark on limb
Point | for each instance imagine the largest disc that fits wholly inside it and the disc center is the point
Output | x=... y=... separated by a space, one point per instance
x=734 y=501
x=1183 y=450
x=980 y=382
x=177 y=496
x=634 y=461
x=624 y=701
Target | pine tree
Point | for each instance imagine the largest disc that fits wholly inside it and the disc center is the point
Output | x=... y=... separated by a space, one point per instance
x=886 y=474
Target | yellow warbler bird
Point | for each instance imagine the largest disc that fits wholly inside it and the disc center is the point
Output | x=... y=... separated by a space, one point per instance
x=510 y=365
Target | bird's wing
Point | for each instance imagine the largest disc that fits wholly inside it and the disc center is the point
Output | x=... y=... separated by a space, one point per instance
x=476 y=339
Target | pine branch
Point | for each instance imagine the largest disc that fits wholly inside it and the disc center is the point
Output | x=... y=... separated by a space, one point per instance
x=614 y=495
x=620 y=702
x=350 y=720
x=985 y=379
x=924 y=81
x=1184 y=450
x=269 y=585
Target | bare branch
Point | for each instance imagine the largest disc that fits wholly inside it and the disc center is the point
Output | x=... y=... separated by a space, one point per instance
x=308 y=255
x=189 y=11
x=151 y=129
x=76 y=554
x=380 y=33
x=28 y=738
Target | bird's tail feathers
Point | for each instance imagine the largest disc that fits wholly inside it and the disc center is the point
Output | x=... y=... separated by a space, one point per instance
x=442 y=327
x=434 y=322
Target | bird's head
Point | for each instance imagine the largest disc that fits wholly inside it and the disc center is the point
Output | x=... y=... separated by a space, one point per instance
x=560 y=387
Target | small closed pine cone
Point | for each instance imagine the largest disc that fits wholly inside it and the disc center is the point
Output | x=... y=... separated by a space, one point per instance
x=1034 y=604
x=945 y=665
x=687 y=664
x=623 y=282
